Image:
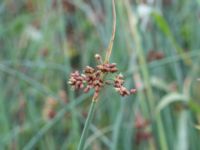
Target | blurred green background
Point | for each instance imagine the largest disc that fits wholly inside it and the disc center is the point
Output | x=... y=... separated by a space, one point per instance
x=156 y=47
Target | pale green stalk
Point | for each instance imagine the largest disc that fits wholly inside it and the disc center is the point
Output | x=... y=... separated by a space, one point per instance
x=110 y=46
x=145 y=74
x=87 y=124
x=94 y=101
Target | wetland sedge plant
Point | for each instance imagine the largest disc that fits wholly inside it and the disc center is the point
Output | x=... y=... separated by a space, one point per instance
x=95 y=78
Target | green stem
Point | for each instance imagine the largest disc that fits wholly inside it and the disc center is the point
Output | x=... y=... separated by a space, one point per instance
x=145 y=74
x=117 y=126
x=87 y=124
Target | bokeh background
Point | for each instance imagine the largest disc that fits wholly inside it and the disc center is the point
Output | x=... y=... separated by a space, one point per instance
x=156 y=48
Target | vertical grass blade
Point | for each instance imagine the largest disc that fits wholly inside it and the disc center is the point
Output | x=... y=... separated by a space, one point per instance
x=86 y=127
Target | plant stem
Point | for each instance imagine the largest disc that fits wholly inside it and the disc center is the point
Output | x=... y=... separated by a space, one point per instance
x=110 y=45
x=117 y=125
x=145 y=74
x=94 y=101
x=87 y=124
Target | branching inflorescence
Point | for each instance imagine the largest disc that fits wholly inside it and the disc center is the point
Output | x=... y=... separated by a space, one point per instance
x=94 y=78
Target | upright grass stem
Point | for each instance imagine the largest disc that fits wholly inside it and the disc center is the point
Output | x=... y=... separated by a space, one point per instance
x=94 y=101
x=110 y=46
x=145 y=74
x=87 y=124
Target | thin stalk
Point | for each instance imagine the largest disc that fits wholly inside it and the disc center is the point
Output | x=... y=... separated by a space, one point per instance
x=117 y=126
x=110 y=46
x=87 y=124
x=145 y=74
x=94 y=101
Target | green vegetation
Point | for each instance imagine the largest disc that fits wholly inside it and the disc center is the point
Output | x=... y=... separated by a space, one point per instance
x=156 y=48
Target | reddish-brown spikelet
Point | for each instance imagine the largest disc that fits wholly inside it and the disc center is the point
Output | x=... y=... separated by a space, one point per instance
x=93 y=78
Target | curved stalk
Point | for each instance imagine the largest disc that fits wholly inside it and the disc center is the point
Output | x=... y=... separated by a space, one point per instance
x=110 y=46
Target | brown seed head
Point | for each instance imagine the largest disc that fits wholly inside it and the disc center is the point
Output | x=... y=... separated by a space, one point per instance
x=92 y=78
x=98 y=58
x=89 y=70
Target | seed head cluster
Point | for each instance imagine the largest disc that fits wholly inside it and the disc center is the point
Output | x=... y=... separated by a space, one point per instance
x=93 y=78
x=118 y=84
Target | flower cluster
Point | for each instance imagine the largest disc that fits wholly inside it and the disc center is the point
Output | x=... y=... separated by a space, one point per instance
x=106 y=68
x=118 y=84
x=93 y=78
